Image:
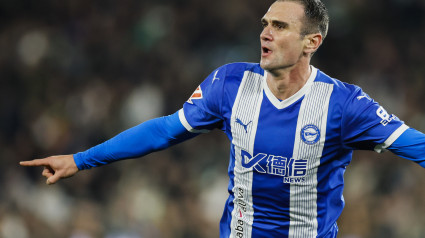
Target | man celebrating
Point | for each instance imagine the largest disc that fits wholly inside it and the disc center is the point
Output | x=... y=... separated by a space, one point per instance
x=292 y=130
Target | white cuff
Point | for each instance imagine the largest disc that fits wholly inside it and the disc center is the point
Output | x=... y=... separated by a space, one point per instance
x=186 y=124
x=390 y=140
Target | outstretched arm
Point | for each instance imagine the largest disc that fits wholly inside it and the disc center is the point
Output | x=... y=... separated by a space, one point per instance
x=153 y=135
x=150 y=136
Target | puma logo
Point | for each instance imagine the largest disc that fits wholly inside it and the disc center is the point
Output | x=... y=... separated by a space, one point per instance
x=245 y=126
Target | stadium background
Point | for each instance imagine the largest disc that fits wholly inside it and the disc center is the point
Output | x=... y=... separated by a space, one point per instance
x=74 y=73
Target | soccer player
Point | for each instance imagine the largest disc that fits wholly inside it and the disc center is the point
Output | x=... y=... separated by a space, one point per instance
x=292 y=130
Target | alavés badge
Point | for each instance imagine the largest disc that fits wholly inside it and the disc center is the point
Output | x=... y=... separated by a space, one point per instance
x=310 y=134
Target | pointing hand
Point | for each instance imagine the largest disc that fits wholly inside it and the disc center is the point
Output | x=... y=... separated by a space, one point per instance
x=55 y=167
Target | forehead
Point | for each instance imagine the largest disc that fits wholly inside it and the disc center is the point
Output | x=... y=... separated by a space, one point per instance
x=288 y=11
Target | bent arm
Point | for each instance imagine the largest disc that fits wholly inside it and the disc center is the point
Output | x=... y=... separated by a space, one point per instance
x=410 y=145
x=153 y=135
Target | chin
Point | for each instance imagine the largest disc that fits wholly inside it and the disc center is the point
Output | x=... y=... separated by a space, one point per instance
x=265 y=66
x=268 y=64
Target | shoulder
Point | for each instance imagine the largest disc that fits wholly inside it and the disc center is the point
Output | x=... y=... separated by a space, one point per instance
x=340 y=88
x=229 y=76
x=226 y=78
x=238 y=69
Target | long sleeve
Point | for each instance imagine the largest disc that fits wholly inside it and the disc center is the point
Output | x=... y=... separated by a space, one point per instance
x=410 y=145
x=153 y=135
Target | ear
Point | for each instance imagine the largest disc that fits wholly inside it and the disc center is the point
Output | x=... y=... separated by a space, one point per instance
x=312 y=43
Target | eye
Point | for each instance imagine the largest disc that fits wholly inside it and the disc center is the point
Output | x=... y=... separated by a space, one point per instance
x=264 y=24
x=279 y=26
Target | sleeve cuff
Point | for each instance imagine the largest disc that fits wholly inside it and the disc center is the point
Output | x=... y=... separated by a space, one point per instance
x=79 y=161
x=186 y=124
x=397 y=133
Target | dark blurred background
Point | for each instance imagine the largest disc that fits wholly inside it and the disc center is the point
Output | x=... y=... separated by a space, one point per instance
x=74 y=73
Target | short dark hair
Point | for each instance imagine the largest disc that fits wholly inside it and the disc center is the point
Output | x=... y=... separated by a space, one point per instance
x=316 y=14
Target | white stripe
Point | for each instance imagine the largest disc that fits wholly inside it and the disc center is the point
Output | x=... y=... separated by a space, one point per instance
x=303 y=200
x=390 y=140
x=246 y=109
x=186 y=124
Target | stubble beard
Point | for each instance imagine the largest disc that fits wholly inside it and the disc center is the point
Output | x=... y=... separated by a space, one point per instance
x=273 y=65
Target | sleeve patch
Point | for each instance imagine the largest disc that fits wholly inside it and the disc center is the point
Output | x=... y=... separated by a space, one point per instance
x=196 y=95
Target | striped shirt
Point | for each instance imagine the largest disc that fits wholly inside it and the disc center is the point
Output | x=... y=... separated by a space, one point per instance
x=287 y=158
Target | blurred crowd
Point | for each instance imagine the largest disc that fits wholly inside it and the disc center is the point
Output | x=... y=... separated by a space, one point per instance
x=74 y=73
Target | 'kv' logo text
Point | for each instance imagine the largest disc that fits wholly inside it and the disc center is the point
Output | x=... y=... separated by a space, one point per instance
x=292 y=170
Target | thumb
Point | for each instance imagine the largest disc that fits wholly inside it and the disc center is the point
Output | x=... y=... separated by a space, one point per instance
x=53 y=179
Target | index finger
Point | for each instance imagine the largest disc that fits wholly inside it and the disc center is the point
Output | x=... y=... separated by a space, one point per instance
x=35 y=162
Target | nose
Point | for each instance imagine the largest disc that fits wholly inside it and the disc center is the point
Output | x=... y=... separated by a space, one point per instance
x=266 y=34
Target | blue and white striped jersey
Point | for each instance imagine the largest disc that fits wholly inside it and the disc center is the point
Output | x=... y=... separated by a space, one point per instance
x=287 y=158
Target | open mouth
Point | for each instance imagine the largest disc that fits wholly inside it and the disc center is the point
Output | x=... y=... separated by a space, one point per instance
x=265 y=51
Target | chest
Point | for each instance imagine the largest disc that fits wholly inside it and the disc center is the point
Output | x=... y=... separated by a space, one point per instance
x=270 y=139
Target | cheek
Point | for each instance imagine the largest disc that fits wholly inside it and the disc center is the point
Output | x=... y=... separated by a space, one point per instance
x=289 y=51
x=292 y=48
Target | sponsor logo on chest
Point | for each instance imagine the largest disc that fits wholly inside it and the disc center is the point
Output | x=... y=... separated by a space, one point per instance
x=293 y=171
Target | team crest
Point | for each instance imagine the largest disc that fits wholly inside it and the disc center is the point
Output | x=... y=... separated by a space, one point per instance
x=196 y=95
x=310 y=134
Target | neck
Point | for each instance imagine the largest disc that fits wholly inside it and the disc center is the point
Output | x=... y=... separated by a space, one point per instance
x=284 y=83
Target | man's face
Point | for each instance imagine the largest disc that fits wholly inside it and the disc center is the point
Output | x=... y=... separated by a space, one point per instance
x=281 y=42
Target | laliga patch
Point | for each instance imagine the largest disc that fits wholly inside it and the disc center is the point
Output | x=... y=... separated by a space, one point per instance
x=310 y=134
x=196 y=95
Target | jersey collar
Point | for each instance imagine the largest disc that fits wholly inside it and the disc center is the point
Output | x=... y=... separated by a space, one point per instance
x=289 y=101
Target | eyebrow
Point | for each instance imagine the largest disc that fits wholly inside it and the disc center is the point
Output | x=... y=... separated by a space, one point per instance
x=275 y=22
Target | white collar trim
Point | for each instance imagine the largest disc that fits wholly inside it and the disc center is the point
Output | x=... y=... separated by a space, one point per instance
x=289 y=101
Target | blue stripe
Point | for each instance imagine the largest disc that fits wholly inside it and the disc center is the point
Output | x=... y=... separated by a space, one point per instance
x=270 y=194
